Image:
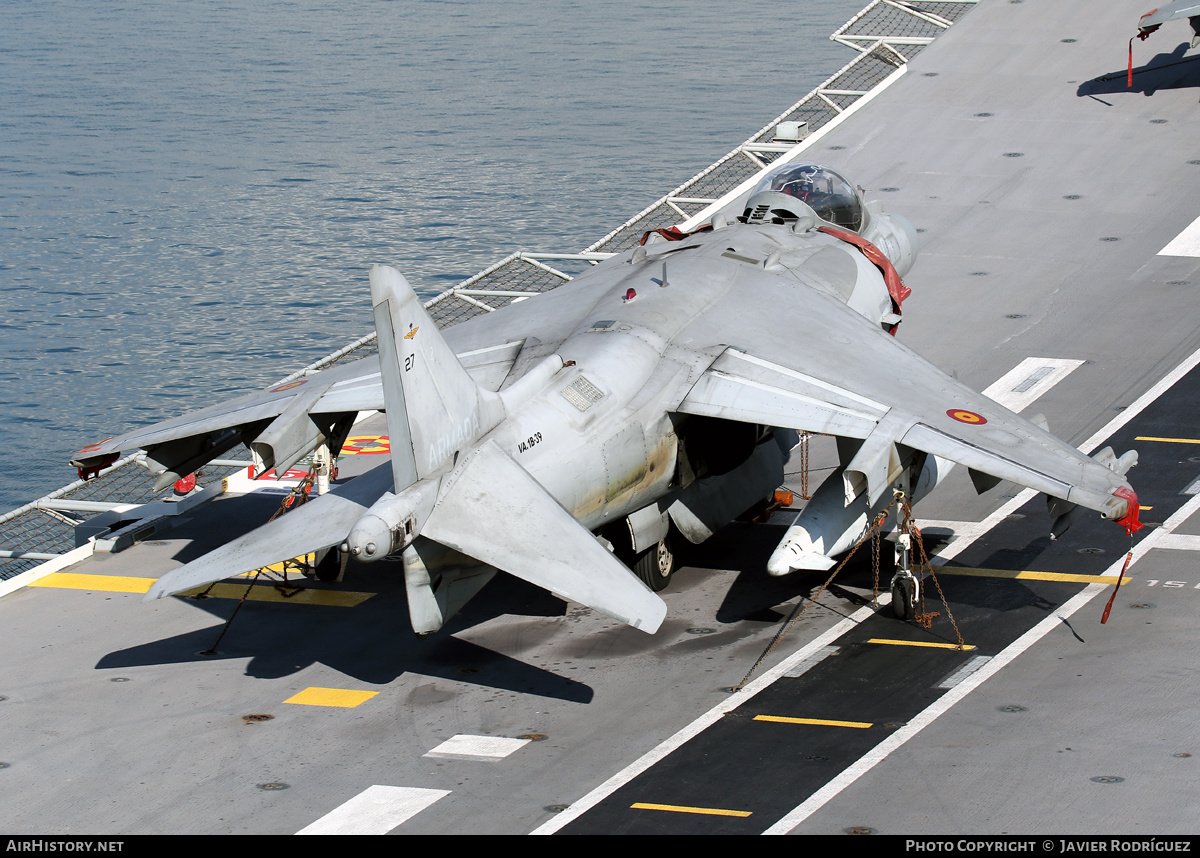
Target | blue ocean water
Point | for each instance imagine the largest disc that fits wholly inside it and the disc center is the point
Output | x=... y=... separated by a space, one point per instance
x=191 y=194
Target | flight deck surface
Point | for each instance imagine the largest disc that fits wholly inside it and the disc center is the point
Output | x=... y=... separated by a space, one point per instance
x=1045 y=191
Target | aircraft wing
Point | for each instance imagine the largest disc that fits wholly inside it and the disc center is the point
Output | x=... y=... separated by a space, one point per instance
x=1169 y=12
x=286 y=421
x=855 y=381
x=182 y=444
x=290 y=418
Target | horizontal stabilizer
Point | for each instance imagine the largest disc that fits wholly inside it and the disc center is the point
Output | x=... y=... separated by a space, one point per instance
x=497 y=513
x=316 y=525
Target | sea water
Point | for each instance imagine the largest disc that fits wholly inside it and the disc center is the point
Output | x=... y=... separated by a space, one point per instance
x=192 y=193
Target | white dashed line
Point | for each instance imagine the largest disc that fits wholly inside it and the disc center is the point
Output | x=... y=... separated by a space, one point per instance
x=480 y=748
x=1187 y=243
x=375 y=810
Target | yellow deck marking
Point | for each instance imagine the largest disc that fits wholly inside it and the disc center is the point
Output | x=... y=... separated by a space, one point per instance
x=779 y=719
x=366 y=444
x=1169 y=440
x=258 y=593
x=1029 y=575
x=104 y=583
x=267 y=593
x=677 y=808
x=343 y=697
x=919 y=643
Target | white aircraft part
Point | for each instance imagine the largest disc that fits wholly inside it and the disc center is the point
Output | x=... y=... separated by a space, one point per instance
x=1169 y=12
x=497 y=513
x=741 y=387
x=876 y=465
x=439 y=581
x=316 y=525
x=825 y=528
x=734 y=201
x=647 y=527
x=710 y=503
x=291 y=436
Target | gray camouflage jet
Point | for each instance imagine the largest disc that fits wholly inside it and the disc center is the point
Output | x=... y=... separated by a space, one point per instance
x=570 y=437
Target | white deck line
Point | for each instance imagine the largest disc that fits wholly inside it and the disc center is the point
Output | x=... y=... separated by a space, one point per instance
x=1046 y=373
x=716 y=713
x=479 y=748
x=1187 y=243
x=375 y=810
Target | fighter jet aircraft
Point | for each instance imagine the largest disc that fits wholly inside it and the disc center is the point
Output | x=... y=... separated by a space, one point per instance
x=570 y=437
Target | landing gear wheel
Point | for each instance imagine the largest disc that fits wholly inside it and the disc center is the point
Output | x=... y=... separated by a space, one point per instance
x=905 y=595
x=331 y=566
x=656 y=565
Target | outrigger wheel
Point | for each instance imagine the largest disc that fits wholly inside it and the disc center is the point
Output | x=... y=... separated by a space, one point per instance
x=906 y=587
x=906 y=592
x=331 y=566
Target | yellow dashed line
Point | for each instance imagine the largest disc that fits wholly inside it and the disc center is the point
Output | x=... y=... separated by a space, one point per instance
x=779 y=719
x=1029 y=575
x=710 y=811
x=1169 y=440
x=343 y=697
x=103 y=583
x=918 y=643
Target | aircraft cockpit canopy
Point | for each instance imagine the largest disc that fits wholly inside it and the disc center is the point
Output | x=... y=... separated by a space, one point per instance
x=825 y=191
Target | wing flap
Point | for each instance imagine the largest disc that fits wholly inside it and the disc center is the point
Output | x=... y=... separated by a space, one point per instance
x=741 y=387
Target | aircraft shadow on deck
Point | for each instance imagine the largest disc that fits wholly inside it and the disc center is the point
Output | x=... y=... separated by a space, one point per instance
x=756 y=596
x=371 y=642
x=1164 y=71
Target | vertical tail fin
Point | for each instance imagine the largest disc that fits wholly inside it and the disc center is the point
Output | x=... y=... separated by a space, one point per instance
x=434 y=408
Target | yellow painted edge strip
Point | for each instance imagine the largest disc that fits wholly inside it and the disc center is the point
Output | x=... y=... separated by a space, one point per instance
x=104 y=583
x=710 y=811
x=1169 y=440
x=258 y=593
x=779 y=719
x=342 y=697
x=919 y=643
x=1030 y=575
x=267 y=593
